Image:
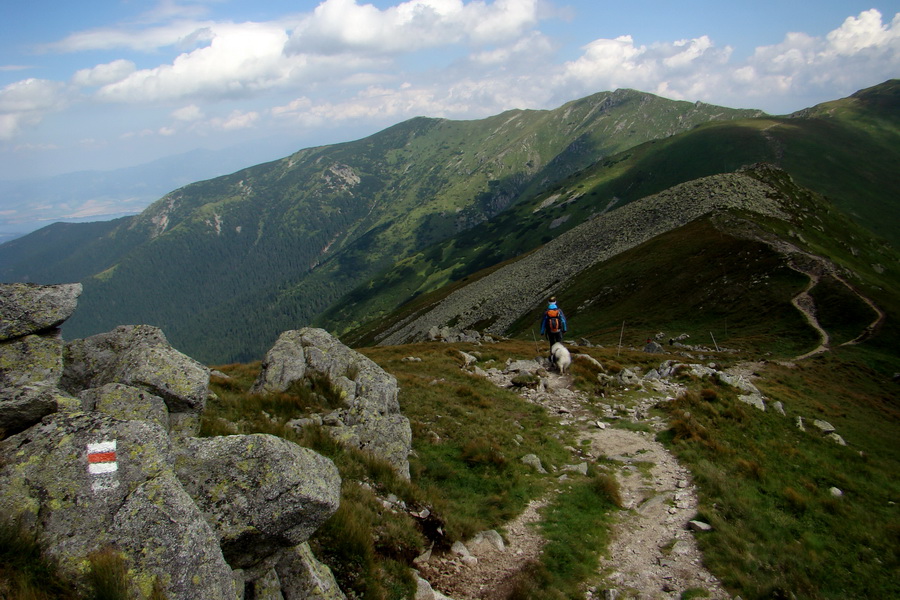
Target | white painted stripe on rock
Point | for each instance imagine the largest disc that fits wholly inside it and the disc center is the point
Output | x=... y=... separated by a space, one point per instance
x=102 y=447
x=98 y=468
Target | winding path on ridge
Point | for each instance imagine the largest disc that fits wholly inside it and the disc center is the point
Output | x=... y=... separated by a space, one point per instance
x=652 y=555
x=806 y=305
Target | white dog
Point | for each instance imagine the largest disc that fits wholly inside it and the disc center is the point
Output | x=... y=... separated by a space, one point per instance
x=561 y=357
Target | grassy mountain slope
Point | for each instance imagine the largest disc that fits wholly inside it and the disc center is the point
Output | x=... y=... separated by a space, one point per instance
x=731 y=273
x=846 y=150
x=225 y=265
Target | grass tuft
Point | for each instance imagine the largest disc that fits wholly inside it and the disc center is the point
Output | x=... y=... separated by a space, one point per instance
x=107 y=575
x=25 y=574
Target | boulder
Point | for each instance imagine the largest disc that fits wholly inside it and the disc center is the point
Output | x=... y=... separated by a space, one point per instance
x=31 y=360
x=87 y=482
x=534 y=462
x=126 y=403
x=370 y=418
x=386 y=436
x=699 y=526
x=20 y=408
x=259 y=493
x=161 y=524
x=267 y=586
x=26 y=308
x=755 y=400
x=653 y=348
x=486 y=542
x=628 y=377
x=824 y=426
x=285 y=363
x=303 y=577
x=528 y=367
x=139 y=356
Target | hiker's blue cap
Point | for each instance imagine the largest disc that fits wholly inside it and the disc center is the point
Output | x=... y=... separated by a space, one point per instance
x=552 y=305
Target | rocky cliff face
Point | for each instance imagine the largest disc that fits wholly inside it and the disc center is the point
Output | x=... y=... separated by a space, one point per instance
x=99 y=452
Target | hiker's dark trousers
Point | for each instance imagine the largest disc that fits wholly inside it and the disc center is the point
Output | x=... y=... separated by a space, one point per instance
x=554 y=337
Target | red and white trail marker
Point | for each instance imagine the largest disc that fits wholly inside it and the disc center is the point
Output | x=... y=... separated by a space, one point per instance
x=102 y=465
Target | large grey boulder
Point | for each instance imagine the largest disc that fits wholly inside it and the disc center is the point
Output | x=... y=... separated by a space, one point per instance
x=371 y=418
x=31 y=360
x=22 y=407
x=31 y=352
x=85 y=482
x=284 y=364
x=161 y=524
x=303 y=577
x=27 y=308
x=126 y=403
x=298 y=352
x=259 y=493
x=141 y=357
x=387 y=436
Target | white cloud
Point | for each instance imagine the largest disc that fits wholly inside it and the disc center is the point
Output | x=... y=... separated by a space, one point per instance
x=528 y=48
x=25 y=102
x=864 y=31
x=191 y=112
x=240 y=59
x=176 y=34
x=861 y=52
x=104 y=74
x=374 y=102
x=236 y=120
x=671 y=66
x=344 y=25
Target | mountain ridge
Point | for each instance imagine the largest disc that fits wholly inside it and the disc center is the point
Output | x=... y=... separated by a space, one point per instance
x=304 y=230
x=338 y=235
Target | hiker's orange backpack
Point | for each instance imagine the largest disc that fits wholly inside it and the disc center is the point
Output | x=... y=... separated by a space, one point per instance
x=554 y=323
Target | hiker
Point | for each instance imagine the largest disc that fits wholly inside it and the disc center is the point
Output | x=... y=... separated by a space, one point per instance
x=553 y=325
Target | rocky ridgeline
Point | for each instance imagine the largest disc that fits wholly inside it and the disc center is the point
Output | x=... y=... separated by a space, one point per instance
x=100 y=451
x=510 y=292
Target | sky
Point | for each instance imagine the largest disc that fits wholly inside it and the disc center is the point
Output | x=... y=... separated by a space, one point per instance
x=106 y=84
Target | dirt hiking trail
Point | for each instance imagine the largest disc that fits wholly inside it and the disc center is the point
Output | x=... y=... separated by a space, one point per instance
x=652 y=555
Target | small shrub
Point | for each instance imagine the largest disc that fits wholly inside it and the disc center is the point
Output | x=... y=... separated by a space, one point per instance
x=709 y=394
x=26 y=573
x=108 y=575
x=797 y=501
x=482 y=452
x=527 y=584
x=607 y=486
x=751 y=468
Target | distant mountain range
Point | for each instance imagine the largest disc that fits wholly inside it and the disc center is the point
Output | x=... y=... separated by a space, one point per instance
x=86 y=196
x=356 y=237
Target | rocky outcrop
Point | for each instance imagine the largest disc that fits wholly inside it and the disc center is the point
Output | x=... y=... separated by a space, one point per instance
x=31 y=351
x=86 y=481
x=141 y=357
x=99 y=453
x=260 y=493
x=370 y=418
x=30 y=309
